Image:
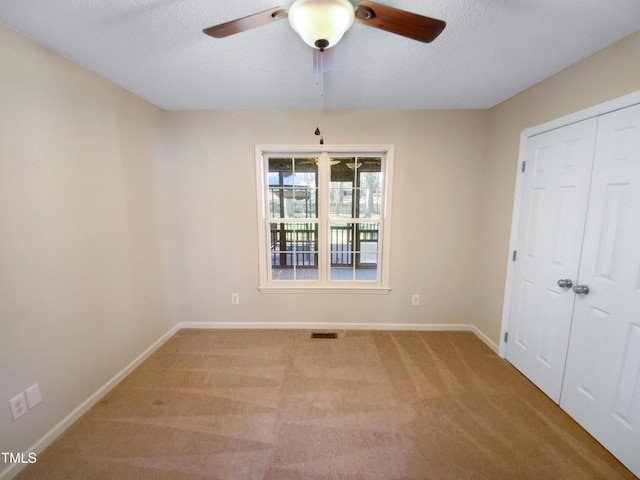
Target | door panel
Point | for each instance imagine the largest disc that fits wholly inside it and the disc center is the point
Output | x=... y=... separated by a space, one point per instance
x=551 y=226
x=602 y=381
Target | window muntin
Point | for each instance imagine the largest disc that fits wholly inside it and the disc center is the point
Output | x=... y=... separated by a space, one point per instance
x=323 y=219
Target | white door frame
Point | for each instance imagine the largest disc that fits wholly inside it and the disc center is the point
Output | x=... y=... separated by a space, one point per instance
x=597 y=110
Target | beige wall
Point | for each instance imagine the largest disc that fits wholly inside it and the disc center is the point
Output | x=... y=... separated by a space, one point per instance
x=119 y=220
x=211 y=228
x=610 y=73
x=80 y=271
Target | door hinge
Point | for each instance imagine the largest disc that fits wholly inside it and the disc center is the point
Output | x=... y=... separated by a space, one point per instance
x=524 y=166
x=515 y=254
x=506 y=337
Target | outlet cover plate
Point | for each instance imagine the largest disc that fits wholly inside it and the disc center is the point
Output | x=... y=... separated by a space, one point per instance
x=18 y=406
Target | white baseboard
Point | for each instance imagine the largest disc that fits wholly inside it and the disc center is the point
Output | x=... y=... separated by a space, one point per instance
x=487 y=341
x=48 y=438
x=56 y=431
x=346 y=326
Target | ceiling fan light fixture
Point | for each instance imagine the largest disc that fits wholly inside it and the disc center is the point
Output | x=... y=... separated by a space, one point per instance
x=321 y=23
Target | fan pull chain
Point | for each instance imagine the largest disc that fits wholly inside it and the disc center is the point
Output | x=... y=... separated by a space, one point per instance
x=320 y=82
x=317 y=65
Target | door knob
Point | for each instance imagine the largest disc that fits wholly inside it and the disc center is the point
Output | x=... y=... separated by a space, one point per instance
x=565 y=283
x=581 y=289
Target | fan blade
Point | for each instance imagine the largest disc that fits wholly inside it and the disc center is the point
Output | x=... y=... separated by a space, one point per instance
x=408 y=24
x=247 y=23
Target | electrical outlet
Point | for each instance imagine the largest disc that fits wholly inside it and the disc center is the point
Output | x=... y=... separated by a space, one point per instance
x=235 y=298
x=415 y=299
x=18 y=406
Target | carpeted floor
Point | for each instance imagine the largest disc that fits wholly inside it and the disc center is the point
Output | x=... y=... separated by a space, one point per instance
x=278 y=405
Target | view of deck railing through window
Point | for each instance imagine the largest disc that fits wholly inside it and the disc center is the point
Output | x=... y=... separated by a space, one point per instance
x=353 y=248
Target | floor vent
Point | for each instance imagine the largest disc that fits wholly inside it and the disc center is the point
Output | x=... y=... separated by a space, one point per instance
x=324 y=335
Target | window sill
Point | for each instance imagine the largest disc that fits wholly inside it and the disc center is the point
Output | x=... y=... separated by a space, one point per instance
x=351 y=289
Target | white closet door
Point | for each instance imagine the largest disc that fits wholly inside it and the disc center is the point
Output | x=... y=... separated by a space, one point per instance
x=550 y=230
x=602 y=381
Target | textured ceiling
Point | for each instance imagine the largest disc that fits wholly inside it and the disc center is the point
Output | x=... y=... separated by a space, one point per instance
x=489 y=51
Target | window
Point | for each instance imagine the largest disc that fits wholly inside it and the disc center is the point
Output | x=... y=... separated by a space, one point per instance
x=324 y=217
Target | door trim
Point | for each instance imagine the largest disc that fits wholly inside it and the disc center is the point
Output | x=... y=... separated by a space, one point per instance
x=595 y=111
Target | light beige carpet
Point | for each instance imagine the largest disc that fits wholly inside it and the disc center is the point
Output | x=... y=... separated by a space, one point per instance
x=277 y=405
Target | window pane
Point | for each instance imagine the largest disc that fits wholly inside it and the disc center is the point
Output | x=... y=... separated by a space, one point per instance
x=370 y=181
x=293 y=187
x=294 y=251
x=341 y=200
x=341 y=188
x=354 y=251
x=341 y=244
x=355 y=188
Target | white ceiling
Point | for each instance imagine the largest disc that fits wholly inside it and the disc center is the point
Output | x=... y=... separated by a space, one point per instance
x=489 y=51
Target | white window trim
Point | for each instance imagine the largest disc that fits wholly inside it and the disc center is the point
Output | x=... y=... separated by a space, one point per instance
x=266 y=285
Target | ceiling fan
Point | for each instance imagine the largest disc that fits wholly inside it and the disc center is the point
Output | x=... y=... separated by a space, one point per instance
x=322 y=23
